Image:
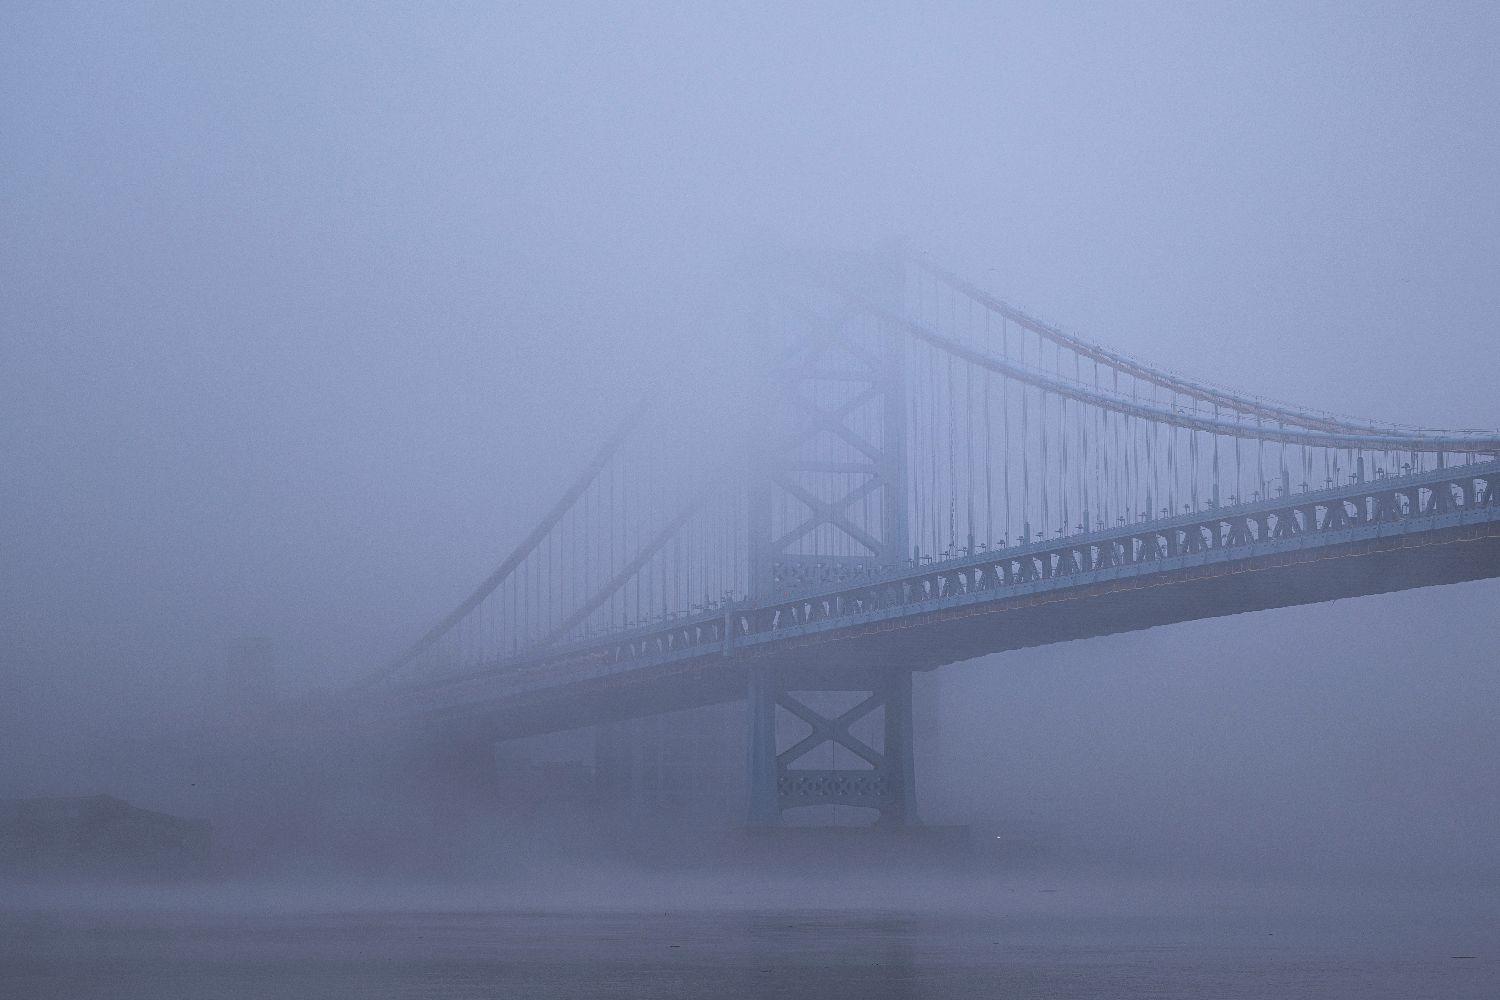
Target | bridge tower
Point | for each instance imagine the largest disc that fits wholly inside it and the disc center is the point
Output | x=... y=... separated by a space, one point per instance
x=828 y=503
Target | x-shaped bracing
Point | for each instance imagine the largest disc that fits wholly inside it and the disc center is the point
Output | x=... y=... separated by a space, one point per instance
x=829 y=513
x=830 y=730
x=824 y=512
x=833 y=420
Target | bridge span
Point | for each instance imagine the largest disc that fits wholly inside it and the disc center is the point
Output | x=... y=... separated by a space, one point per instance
x=931 y=475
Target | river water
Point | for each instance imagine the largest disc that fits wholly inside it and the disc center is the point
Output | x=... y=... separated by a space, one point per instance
x=1034 y=937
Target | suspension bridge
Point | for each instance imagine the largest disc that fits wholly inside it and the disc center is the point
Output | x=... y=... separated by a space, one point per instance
x=926 y=475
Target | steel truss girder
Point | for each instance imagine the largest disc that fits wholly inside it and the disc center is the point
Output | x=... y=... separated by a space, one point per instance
x=1242 y=528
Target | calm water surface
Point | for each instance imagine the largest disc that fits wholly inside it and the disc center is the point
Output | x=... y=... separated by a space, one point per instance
x=1026 y=940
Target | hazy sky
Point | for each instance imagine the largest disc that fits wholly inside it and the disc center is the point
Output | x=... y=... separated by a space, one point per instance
x=306 y=311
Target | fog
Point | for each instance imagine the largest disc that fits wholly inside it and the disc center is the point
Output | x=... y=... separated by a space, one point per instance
x=308 y=313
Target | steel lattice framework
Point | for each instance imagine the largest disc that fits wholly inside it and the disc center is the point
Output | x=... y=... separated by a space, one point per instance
x=932 y=474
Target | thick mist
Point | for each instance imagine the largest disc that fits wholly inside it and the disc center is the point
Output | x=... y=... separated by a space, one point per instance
x=308 y=313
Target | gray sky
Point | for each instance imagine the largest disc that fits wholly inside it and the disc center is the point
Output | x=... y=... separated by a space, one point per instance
x=307 y=311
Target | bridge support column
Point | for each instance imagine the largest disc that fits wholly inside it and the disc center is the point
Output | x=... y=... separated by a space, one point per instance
x=880 y=777
x=765 y=809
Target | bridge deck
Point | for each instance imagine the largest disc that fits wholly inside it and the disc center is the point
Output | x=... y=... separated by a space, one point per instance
x=1366 y=538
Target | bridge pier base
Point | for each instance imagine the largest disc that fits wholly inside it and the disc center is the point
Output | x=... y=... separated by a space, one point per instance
x=882 y=777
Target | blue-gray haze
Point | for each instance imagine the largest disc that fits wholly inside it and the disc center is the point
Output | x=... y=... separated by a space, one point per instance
x=308 y=311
